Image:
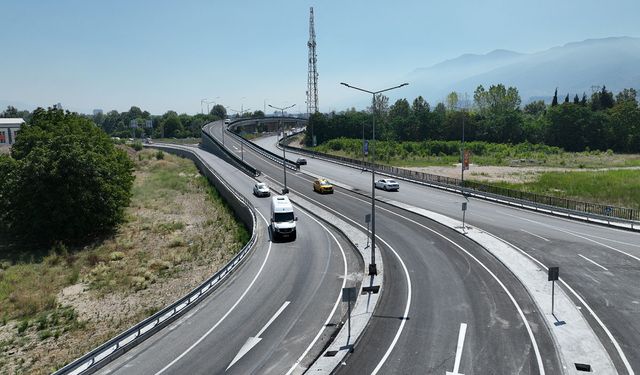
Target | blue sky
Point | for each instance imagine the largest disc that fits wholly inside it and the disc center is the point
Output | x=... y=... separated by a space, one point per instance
x=162 y=55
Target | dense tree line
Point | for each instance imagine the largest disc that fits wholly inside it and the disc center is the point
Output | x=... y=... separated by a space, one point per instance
x=168 y=125
x=495 y=115
x=64 y=181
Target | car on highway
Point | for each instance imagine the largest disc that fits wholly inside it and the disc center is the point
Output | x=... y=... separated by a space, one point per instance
x=260 y=189
x=322 y=185
x=227 y=121
x=301 y=161
x=387 y=184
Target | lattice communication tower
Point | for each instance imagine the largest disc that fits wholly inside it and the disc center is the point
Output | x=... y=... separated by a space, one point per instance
x=312 y=80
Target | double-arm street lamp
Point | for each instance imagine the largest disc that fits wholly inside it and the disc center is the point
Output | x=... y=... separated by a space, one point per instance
x=284 y=154
x=372 y=266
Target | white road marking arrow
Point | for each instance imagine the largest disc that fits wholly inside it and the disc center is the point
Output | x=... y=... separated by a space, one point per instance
x=253 y=341
x=456 y=365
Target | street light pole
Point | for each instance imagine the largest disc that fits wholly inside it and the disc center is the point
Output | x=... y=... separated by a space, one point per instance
x=284 y=155
x=372 y=266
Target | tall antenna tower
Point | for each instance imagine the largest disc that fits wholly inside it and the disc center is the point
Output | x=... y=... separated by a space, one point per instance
x=312 y=80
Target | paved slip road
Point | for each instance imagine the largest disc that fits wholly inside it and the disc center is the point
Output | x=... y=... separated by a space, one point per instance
x=449 y=285
x=283 y=293
x=600 y=263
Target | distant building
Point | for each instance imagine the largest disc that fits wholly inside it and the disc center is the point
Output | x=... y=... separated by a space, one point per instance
x=9 y=128
x=97 y=112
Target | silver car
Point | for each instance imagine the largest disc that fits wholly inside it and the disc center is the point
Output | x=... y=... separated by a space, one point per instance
x=387 y=184
x=260 y=189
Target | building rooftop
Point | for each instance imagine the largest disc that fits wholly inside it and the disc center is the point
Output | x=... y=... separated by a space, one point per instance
x=11 y=121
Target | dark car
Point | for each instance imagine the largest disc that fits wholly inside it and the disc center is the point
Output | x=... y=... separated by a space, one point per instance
x=301 y=161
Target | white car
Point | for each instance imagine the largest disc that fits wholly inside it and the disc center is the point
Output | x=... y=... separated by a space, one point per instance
x=387 y=184
x=260 y=189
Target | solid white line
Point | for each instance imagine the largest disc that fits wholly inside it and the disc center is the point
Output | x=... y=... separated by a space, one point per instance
x=274 y=317
x=335 y=306
x=584 y=303
x=223 y=317
x=587 y=259
x=535 y=235
x=406 y=273
x=579 y=236
x=463 y=332
x=495 y=277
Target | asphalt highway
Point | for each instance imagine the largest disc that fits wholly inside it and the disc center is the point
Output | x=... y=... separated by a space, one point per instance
x=270 y=312
x=601 y=265
x=436 y=283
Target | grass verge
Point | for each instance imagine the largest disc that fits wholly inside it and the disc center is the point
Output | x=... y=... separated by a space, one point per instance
x=56 y=307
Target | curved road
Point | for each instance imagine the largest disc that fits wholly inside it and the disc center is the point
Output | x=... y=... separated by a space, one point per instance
x=269 y=311
x=444 y=280
x=600 y=263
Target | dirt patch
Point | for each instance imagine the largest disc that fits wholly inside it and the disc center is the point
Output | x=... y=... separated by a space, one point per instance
x=176 y=236
x=502 y=173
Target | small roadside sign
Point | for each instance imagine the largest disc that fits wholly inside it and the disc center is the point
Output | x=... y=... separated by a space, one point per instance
x=554 y=273
x=466 y=159
x=365 y=148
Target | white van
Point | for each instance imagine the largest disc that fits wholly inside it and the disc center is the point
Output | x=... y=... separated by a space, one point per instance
x=283 y=221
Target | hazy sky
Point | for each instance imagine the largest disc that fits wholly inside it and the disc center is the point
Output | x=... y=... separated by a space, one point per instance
x=162 y=55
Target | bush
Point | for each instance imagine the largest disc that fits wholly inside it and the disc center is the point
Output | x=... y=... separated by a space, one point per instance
x=65 y=180
x=137 y=145
x=159 y=155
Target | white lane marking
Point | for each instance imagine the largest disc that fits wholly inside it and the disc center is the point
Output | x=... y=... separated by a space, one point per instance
x=495 y=277
x=406 y=273
x=335 y=306
x=253 y=341
x=535 y=235
x=456 y=364
x=584 y=303
x=274 y=317
x=580 y=236
x=589 y=260
x=223 y=317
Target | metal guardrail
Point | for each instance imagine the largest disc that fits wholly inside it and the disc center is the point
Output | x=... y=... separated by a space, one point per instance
x=266 y=153
x=112 y=349
x=234 y=159
x=570 y=207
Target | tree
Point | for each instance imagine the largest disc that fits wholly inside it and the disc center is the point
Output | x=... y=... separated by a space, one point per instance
x=10 y=112
x=535 y=108
x=602 y=100
x=219 y=111
x=380 y=106
x=583 y=101
x=172 y=125
x=452 y=101
x=497 y=99
x=566 y=99
x=554 y=102
x=67 y=183
x=627 y=95
x=576 y=99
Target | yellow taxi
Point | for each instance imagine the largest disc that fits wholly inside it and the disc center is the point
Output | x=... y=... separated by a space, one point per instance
x=322 y=185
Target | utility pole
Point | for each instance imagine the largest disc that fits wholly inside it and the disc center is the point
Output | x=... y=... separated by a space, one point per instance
x=284 y=155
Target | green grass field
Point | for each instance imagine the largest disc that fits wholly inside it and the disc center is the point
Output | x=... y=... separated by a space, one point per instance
x=616 y=187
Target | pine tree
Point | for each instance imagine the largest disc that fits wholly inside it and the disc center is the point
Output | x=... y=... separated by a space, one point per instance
x=554 y=102
x=566 y=98
x=583 y=102
x=576 y=99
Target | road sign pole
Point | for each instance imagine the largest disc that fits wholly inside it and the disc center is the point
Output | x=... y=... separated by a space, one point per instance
x=554 y=274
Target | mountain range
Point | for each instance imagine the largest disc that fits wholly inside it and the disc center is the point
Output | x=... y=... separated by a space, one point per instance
x=574 y=68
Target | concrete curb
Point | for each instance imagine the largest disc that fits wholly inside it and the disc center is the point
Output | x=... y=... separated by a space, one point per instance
x=362 y=310
x=575 y=340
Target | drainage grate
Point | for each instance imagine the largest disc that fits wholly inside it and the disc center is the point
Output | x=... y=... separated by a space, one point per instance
x=583 y=367
x=331 y=353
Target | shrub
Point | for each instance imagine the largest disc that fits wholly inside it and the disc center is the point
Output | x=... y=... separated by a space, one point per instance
x=137 y=145
x=67 y=181
x=159 y=155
